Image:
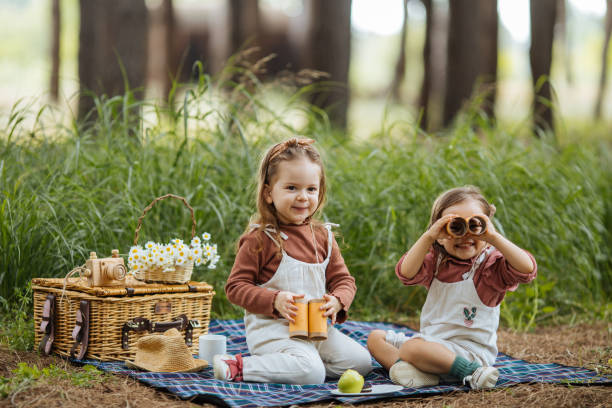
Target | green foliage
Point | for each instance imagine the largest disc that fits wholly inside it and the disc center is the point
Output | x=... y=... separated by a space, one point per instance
x=68 y=190
x=87 y=377
x=25 y=376
x=16 y=321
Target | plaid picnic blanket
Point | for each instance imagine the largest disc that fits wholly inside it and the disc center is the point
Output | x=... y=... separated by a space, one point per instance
x=204 y=387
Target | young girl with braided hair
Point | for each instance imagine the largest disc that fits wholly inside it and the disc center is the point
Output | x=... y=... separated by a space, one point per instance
x=467 y=267
x=286 y=255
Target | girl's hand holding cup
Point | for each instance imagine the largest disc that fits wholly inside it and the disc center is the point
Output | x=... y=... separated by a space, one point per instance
x=285 y=306
x=332 y=307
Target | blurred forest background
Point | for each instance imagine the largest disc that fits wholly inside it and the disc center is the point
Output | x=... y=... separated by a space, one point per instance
x=106 y=105
x=417 y=59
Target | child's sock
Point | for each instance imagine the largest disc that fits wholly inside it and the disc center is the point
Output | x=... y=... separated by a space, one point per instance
x=461 y=367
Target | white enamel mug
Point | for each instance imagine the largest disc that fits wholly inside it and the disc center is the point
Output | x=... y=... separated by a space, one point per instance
x=210 y=345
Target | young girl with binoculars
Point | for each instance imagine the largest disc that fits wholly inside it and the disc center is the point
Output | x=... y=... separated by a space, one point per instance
x=467 y=267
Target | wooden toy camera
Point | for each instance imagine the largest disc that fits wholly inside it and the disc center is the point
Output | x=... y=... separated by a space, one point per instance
x=105 y=271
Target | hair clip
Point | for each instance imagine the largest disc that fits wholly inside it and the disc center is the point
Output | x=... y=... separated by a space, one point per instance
x=293 y=142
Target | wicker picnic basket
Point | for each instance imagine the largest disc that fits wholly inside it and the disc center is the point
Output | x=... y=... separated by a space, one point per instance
x=74 y=319
x=171 y=274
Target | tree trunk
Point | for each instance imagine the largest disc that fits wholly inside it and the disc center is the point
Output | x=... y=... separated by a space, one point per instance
x=168 y=27
x=561 y=32
x=427 y=68
x=330 y=51
x=400 y=65
x=112 y=49
x=56 y=19
x=472 y=56
x=244 y=22
x=603 y=78
x=160 y=67
x=543 y=17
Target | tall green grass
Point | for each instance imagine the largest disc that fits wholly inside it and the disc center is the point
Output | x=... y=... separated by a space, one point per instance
x=68 y=188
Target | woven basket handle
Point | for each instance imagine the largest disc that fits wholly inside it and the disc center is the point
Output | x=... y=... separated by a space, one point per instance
x=144 y=212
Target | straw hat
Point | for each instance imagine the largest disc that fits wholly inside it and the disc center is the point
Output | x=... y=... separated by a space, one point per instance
x=165 y=353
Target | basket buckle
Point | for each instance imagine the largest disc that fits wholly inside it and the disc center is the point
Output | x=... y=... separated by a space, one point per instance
x=132 y=325
x=195 y=323
x=138 y=324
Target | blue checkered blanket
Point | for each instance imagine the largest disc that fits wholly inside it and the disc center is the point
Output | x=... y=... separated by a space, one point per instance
x=204 y=387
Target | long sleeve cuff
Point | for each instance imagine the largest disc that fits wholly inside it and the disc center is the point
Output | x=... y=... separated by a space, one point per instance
x=345 y=302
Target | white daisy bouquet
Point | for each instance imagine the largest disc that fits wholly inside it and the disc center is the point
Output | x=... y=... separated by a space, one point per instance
x=174 y=261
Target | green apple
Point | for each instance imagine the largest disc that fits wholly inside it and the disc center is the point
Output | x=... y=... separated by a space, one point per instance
x=351 y=382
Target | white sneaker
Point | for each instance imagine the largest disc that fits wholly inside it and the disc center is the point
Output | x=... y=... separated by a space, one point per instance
x=406 y=374
x=483 y=377
x=396 y=339
x=221 y=368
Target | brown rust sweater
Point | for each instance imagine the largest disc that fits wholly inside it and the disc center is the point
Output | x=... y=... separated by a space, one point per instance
x=258 y=259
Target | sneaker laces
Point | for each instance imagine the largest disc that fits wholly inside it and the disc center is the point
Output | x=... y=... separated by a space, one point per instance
x=474 y=376
x=235 y=367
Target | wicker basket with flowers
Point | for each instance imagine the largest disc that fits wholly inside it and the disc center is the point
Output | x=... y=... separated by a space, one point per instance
x=172 y=262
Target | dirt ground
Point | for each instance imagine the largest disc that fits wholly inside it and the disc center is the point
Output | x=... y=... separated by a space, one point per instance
x=581 y=345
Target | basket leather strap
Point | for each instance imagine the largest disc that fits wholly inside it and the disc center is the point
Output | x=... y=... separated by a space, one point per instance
x=80 y=333
x=192 y=324
x=47 y=325
x=140 y=324
x=137 y=324
x=179 y=323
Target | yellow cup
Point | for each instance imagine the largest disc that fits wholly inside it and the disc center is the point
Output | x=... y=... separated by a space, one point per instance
x=317 y=323
x=299 y=329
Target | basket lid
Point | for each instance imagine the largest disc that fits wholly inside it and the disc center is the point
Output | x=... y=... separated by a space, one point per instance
x=132 y=287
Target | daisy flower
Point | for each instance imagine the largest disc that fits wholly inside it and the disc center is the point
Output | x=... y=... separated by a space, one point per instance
x=168 y=250
x=182 y=252
x=213 y=262
x=206 y=236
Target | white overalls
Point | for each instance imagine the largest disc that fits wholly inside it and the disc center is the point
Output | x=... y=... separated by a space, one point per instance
x=453 y=315
x=275 y=357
